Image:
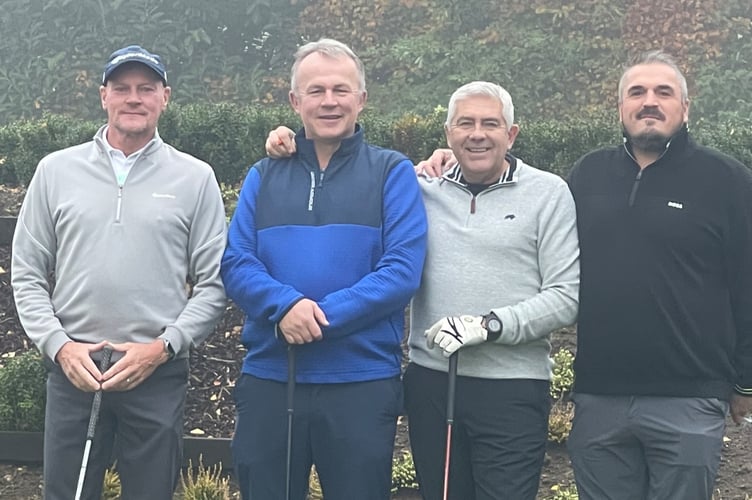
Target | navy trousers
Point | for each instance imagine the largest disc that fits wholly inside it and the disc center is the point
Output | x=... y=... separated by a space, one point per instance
x=346 y=430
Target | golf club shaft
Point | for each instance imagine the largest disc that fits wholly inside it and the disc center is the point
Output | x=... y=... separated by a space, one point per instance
x=451 y=384
x=93 y=418
x=290 y=413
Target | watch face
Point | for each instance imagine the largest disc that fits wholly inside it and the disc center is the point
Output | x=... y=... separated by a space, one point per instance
x=493 y=324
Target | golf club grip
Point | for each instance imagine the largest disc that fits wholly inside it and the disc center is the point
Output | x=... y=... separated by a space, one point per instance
x=94 y=416
x=106 y=358
x=451 y=384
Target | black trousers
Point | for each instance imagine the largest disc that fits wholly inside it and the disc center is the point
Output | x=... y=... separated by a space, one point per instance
x=144 y=425
x=498 y=438
x=347 y=430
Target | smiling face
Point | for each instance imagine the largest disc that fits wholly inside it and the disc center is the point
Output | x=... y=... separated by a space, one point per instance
x=134 y=98
x=652 y=108
x=328 y=97
x=480 y=138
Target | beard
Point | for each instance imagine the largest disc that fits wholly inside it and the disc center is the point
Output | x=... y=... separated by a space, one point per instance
x=649 y=142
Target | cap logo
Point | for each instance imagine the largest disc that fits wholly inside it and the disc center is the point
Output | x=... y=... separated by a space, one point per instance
x=137 y=55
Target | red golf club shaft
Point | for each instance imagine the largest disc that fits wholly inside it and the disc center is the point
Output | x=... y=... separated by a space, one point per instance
x=451 y=383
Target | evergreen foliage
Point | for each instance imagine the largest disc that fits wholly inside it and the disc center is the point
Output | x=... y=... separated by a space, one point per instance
x=231 y=138
x=22 y=392
x=560 y=59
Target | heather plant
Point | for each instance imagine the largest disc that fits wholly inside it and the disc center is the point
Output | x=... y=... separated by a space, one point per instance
x=205 y=483
x=560 y=421
x=112 y=488
x=563 y=378
x=561 y=492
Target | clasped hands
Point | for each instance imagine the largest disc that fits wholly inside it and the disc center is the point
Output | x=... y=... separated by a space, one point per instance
x=454 y=332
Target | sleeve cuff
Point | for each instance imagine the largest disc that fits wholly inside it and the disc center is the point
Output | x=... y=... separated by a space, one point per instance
x=744 y=391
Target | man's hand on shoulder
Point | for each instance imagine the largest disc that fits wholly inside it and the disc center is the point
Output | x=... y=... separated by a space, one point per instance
x=280 y=143
x=438 y=163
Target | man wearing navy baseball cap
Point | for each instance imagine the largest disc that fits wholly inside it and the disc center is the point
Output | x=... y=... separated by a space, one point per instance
x=134 y=53
x=124 y=222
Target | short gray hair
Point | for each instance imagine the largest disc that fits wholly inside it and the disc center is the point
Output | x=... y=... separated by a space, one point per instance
x=330 y=48
x=483 y=89
x=655 y=57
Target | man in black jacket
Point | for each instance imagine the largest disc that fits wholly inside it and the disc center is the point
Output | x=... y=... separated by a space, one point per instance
x=665 y=320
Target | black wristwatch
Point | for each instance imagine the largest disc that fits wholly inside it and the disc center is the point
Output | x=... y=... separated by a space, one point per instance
x=493 y=326
x=168 y=348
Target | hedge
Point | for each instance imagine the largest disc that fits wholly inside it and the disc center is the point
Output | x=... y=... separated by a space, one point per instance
x=231 y=138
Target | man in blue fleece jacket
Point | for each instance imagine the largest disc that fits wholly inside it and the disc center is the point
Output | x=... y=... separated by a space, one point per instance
x=325 y=250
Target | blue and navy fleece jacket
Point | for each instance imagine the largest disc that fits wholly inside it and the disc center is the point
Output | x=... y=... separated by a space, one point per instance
x=351 y=237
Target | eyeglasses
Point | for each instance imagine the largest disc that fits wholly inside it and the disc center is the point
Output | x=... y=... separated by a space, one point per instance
x=488 y=125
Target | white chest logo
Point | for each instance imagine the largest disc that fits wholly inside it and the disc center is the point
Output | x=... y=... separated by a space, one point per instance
x=675 y=204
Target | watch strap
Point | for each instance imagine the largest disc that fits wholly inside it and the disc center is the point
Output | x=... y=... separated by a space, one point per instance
x=168 y=348
x=492 y=335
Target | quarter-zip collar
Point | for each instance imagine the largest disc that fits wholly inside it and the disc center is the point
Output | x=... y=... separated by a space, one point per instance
x=675 y=145
x=508 y=178
x=348 y=146
x=454 y=174
x=339 y=160
x=101 y=142
x=103 y=149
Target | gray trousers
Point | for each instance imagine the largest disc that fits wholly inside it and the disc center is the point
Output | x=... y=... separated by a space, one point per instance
x=646 y=447
x=141 y=429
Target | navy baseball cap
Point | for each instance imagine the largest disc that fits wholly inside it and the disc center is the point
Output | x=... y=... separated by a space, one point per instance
x=134 y=53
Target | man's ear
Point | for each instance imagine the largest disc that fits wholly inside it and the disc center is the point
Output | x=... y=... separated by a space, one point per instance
x=512 y=134
x=294 y=102
x=167 y=94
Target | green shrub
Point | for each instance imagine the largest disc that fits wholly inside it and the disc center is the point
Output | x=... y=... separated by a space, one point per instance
x=403 y=472
x=206 y=483
x=231 y=138
x=112 y=488
x=560 y=421
x=22 y=392
x=563 y=379
x=560 y=492
x=314 y=486
x=24 y=143
x=230 y=195
x=403 y=476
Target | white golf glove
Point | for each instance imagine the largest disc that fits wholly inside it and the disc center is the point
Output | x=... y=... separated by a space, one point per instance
x=454 y=332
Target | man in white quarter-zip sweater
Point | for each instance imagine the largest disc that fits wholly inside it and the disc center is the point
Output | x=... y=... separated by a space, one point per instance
x=132 y=232
x=501 y=273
